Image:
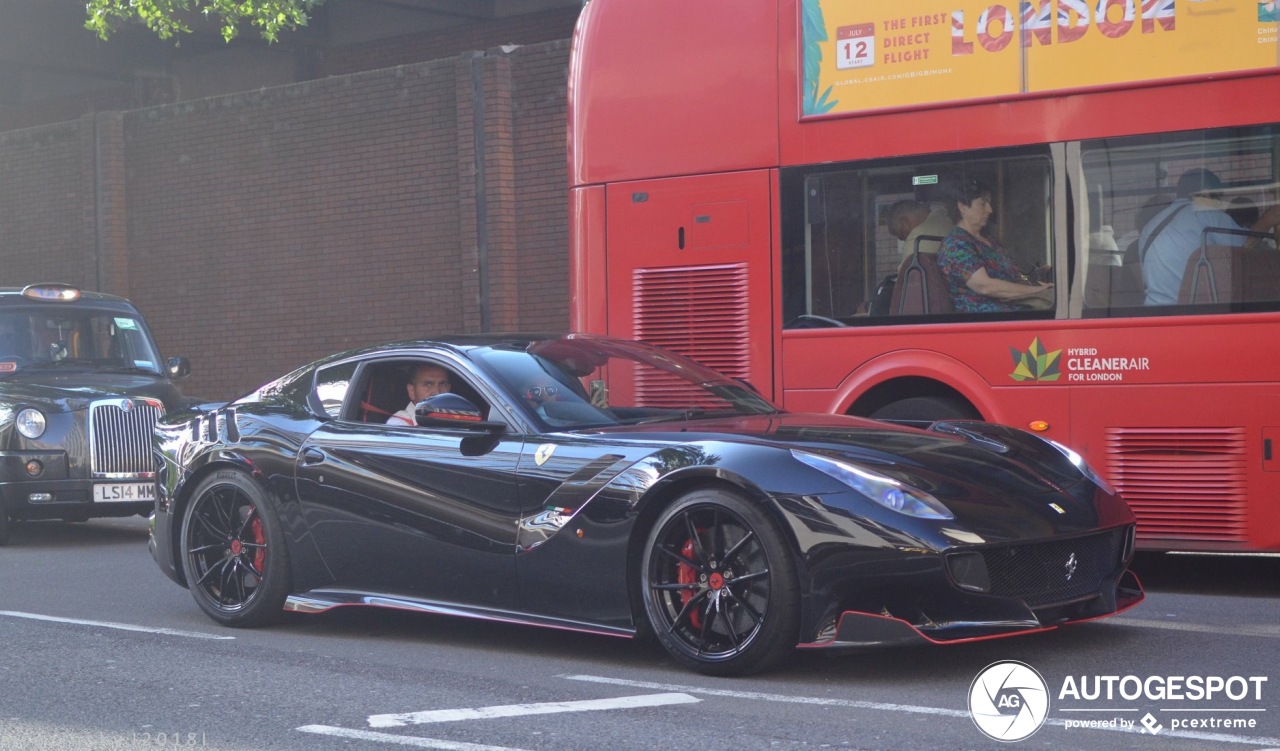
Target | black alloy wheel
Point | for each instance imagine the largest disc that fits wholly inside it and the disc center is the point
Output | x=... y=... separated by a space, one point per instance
x=719 y=585
x=233 y=552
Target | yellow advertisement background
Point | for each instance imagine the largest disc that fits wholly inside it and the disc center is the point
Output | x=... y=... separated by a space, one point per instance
x=1210 y=36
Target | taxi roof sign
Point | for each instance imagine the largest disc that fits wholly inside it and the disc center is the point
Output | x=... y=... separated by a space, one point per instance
x=51 y=292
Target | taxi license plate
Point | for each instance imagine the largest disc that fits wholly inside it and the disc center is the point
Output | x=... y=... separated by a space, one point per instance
x=124 y=492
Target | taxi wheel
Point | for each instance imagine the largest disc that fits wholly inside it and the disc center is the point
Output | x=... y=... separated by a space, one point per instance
x=233 y=551
x=719 y=585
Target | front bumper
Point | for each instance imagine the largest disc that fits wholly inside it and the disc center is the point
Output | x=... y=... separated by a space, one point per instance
x=53 y=495
x=991 y=618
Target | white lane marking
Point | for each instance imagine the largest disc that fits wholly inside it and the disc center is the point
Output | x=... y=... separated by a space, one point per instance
x=403 y=740
x=519 y=710
x=783 y=698
x=756 y=696
x=1271 y=632
x=109 y=624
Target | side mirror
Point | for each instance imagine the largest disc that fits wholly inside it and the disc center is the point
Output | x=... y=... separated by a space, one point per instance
x=453 y=412
x=178 y=367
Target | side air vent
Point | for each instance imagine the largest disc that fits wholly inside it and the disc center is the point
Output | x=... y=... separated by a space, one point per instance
x=700 y=312
x=1182 y=483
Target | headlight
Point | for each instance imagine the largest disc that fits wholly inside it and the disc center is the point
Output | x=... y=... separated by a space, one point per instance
x=885 y=491
x=30 y=423
x=1083 y=466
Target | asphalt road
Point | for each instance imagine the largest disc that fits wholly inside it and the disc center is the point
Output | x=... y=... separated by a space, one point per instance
x=99 y=651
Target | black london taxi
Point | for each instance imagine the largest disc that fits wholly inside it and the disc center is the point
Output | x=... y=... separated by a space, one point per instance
x=81 y=388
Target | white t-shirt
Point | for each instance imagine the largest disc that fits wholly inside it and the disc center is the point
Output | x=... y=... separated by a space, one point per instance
x=406 y=416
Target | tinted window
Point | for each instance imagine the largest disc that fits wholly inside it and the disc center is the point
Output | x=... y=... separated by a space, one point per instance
x=841 y=254
x=1168 y=220
x=74 y=337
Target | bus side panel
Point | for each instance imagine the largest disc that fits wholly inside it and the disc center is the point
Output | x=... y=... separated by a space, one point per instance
x=671 y=87
x=690 y=269
x=587 y=256
x=1172 y=411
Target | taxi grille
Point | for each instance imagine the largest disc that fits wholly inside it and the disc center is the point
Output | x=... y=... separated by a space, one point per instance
x=1055 y=571
x=120 y=437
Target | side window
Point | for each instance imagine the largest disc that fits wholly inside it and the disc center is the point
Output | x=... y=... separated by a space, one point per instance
x=389 y=390
x=862 y=242
x=332 y=385
x=1181 y=223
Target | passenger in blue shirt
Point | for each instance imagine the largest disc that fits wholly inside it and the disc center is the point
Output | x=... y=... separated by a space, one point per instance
x=1172 y=236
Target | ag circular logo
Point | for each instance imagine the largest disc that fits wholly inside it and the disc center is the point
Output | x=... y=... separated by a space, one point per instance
x=1009 y=701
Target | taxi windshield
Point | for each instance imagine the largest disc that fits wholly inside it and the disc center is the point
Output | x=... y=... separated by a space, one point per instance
x=48 y=337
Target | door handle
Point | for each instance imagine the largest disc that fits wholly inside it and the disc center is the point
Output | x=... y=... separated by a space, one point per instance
x=312 y=456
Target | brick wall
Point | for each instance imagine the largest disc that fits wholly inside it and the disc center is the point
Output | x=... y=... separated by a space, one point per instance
x=47 y=205
x=261 y=230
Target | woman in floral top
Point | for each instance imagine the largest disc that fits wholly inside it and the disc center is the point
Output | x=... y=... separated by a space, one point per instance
x=981 y=276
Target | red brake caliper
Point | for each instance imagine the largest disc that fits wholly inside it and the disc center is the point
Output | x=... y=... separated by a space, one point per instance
x=686 y=575
x=260 y=555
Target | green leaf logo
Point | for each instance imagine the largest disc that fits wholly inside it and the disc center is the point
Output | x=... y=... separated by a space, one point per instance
x=1035 y=364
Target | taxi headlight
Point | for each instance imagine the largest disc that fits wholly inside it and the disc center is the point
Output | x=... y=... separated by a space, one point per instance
x=30 y=423
x=885 y=491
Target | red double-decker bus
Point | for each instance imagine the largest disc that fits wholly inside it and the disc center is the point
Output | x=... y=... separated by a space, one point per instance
x=741 y=172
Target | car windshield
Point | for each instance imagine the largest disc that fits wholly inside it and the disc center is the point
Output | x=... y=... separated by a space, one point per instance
x=580 y=382
x=48 y=337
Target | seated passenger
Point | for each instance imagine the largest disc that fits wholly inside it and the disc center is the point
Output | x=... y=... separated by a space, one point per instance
x=425 y=381
x=1175 y=234
x=981 y=276
x=909 y=220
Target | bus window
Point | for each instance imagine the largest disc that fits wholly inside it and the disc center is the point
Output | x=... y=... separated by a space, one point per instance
x=846 y=260
x=1171 y=219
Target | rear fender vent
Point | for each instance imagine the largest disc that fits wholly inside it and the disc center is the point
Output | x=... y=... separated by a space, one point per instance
x=1182 y=483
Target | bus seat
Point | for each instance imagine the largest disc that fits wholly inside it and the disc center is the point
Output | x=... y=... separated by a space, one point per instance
x=1259 y=274
x=1225 y=274
x=1124 y=285
x=1097 y=288
x=1127 y=285
x=921 y=288
x=1210 y=276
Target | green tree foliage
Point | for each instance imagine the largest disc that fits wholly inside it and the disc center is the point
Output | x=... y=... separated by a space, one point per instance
x=169 y=17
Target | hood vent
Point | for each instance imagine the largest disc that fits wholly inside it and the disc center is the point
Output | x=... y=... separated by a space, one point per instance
x=1182 y=483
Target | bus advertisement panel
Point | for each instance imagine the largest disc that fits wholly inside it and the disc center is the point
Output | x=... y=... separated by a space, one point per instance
x=863 y=55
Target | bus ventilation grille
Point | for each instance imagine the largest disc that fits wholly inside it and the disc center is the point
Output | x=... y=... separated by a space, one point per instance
x=1182 y=483
x=700 y=312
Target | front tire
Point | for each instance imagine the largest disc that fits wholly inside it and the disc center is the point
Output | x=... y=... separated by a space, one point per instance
x=5 y=525
x=719 y=585
x=233 y=551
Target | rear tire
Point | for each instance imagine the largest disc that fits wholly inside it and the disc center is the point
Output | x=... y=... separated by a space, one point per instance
x=5 y=526
x=922 y=411
x=719 y=585
x=233 y=552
